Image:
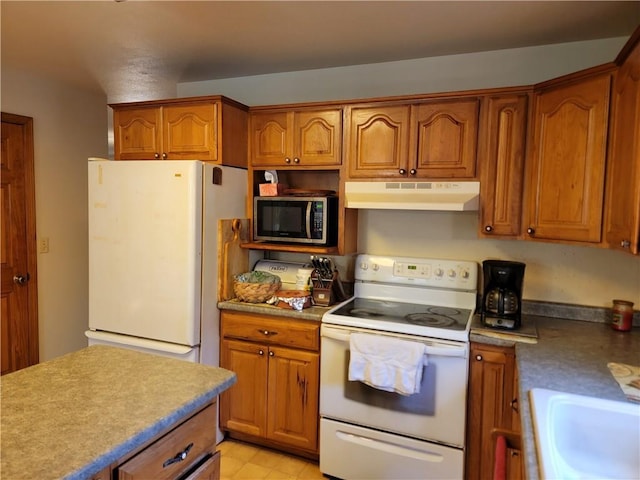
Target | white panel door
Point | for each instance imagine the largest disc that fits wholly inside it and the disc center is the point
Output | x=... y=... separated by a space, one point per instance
x=145 y=249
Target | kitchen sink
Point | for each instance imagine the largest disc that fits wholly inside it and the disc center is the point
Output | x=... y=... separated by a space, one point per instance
x=585 y=437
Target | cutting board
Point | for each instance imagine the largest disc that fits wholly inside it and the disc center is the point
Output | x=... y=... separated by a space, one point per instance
x=232 y=258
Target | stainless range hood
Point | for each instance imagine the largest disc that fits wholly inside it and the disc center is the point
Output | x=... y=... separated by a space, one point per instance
x=447 y=196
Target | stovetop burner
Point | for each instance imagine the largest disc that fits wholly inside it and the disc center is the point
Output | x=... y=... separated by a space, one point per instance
x=430 y=319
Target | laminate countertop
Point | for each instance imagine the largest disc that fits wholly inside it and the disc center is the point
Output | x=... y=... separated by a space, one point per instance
x=73 y=416
x=313 y=313
x=569 y=356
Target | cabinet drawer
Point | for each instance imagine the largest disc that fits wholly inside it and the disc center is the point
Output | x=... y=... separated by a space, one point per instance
x=272 y=331
x=209 y=469
x=198 y=435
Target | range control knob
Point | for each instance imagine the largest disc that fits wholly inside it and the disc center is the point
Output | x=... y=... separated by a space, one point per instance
x=439 y=272
x=464 y=274
x=452 y=273
x=364 y=266
x=375 y=267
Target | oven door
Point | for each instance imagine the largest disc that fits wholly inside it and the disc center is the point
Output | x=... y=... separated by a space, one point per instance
x=436 y=414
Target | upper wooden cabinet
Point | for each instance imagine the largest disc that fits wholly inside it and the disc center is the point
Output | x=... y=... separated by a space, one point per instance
x=445 y=138
x=501 y=163
x=430 y=139
x=622 y=205
x=303 y=138
x=378 y=141
x=202 y=128
x=566 y=173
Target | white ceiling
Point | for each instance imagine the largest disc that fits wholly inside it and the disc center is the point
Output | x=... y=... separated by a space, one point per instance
x=115 y=47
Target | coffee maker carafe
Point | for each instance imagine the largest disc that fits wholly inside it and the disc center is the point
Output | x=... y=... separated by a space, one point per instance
x=502 y=298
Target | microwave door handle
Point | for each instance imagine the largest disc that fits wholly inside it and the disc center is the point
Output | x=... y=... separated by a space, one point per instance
x=308 y=219
x=440 y=351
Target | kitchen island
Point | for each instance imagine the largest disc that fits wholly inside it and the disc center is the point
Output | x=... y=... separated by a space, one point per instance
x=90 y=411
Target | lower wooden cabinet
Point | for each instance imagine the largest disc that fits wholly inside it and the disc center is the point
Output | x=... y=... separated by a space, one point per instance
x=187 y=452
x=492 y=404
x=190 y=446
x=277 y=363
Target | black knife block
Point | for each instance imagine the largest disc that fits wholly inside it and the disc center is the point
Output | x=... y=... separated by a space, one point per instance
x=327 y=292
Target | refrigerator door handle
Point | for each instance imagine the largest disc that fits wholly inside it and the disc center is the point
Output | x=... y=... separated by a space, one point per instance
x=171 y=348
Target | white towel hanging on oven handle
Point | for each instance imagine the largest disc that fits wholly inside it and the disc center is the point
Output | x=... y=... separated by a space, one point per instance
x=387 y=363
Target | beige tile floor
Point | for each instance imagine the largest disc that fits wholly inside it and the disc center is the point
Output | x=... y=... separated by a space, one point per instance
x=243 y=461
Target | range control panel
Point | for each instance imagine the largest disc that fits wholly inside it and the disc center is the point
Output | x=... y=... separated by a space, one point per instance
x=428 y=272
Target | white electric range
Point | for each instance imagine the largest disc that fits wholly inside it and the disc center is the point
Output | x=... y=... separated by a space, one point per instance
x=385 y=435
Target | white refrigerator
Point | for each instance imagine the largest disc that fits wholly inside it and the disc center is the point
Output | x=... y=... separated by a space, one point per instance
x=153 y=254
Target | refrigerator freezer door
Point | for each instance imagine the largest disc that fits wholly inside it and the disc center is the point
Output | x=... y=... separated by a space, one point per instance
x=145 y=239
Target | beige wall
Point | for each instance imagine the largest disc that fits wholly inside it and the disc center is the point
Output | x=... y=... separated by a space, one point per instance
x=69 y=126
x=518 y=66
x=558 y=273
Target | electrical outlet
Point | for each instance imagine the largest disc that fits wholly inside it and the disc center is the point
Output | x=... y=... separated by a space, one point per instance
x=43 y=245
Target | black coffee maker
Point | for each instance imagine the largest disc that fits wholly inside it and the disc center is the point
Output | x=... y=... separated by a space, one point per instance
x=502 y=298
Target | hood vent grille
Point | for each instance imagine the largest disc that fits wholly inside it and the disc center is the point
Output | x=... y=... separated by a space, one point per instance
x=444 y=196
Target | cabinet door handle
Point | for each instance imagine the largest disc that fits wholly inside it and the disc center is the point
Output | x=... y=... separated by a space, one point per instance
x=271 y=354
x=180 y=456
x=479 y=358
x=164 y=155
x=413 y=171
x=156 y=155
x=260 y=352
x=402 y=171
x=514 y=405
x=531 y=231
x=488 y=229
x=296 y=160
x=625 y=243
x=287 y=160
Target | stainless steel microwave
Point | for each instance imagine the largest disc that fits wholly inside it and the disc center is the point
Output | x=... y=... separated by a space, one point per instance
x=308 y=220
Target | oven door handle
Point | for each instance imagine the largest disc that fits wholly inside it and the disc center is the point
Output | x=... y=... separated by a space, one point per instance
x=437 y=350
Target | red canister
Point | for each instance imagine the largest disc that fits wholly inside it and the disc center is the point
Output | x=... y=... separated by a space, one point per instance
x=622 y=315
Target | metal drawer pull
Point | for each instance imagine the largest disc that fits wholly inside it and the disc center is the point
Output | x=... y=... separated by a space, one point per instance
x=180 y=456
x=267 y=333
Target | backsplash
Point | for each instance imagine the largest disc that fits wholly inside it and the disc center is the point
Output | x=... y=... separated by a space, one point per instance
x=572 y=312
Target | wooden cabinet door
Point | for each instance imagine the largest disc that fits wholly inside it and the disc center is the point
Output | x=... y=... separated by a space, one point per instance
x=566 y=175
x=491 y=382
x=378 y=141
x=293 y=397
x=501 y=164
x=622 y=207
x=137 y=133
x=271 y=139
x=446 y=138
x=243 y=407
x=190 y=132
x=317 y=137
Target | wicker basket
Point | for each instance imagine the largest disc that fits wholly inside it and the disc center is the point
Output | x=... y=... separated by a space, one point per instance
x=259 y=288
